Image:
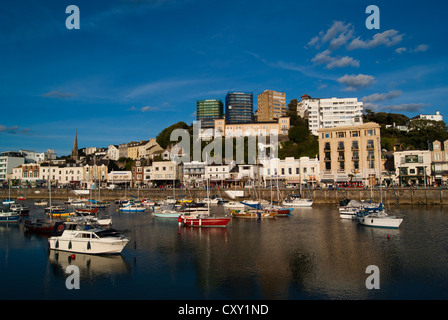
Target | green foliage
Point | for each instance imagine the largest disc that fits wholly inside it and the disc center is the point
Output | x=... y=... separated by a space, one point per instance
x=163 y=138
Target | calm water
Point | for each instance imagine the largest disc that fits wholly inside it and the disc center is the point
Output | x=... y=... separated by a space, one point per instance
x=313 y=254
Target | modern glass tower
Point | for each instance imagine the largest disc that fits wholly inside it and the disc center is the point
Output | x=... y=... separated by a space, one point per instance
x=239 y=107
x=207 y=111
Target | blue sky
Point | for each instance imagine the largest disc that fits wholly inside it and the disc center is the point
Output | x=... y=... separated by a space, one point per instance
x=135 y=67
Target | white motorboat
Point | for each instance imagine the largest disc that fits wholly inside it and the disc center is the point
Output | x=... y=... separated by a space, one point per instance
x=297 y=202
x=85 y=238
x=233 y=205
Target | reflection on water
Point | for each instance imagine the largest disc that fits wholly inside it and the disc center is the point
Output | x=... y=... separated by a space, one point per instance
x=311 y=254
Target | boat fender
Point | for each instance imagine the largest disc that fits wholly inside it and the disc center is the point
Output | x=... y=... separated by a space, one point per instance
x=371 y=221
x=56 y=244
x=69 y=244
x=88 y=245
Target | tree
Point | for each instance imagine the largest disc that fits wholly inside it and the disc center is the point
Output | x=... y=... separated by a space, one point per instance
x=163 y=138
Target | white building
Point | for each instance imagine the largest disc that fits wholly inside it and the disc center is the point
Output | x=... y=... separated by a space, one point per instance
x=8 y=161
x=290 y=171
x=119 y=177
x=161 y=172
x=433 y=117
x=113 y=152
x=413 y=167
x=193 y=173
x=329 y=113
x=218 y=172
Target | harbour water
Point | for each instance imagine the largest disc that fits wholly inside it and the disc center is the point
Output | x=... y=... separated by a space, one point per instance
x=312 y=254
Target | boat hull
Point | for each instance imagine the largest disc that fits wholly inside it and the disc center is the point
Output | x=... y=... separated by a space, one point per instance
x=380 y=222
x=87 y=246
x=9 y=218
x=204 y=222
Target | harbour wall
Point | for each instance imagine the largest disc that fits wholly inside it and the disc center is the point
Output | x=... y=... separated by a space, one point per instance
x=390 y=196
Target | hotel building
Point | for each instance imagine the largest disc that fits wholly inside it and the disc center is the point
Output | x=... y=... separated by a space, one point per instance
x=328 y=113
x=271 y=105
x=278 y=127
x=350 y=153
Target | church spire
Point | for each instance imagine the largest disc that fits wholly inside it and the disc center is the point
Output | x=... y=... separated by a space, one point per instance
x=75 y=147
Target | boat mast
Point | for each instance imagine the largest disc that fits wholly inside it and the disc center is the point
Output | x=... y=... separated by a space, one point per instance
x=379 y=170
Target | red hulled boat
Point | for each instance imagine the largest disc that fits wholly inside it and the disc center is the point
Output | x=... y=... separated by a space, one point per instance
x=203 y=221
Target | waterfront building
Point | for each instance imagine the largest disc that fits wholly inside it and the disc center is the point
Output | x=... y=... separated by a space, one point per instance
x=290 y=171
x=413 y=167
x=329 y=113
x=209 y=110
x=218 y=173
x=278 y=127
x=8 y=161
x=271 y=105
x=138 y=168
x=119 y=177
x=161 y=173
x=62 y=174
x=239 y=107
x=350 y=154
x=193 y=173
x=439 y=161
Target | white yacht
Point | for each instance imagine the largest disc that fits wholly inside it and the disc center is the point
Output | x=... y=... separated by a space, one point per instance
x=86 y=238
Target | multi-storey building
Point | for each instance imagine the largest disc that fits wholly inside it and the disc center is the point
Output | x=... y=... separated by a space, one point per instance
x=350 y=154
x=413 y=167
x=278 y=127
x=439 y=159
x=161 y=172
x=271 y=105
x=239 y=107
x=209 y=110
x=328 y=113
x=193 y=173
x=290 y=171
x=8 y=161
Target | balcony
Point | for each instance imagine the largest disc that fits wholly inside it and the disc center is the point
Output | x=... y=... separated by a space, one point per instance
x=370 y=147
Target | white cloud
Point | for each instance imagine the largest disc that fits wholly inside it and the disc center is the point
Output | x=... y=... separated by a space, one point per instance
x=325 y=57
x=58 y=94
x=421 y=48
x=400 y=50
x=405 y=107
x=337 y=35
x=147 y=108
x=387 y=38
x=377 y=97
x=356 y=82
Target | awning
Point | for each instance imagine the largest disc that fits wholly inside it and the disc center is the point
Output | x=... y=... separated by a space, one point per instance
x=327 y=180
